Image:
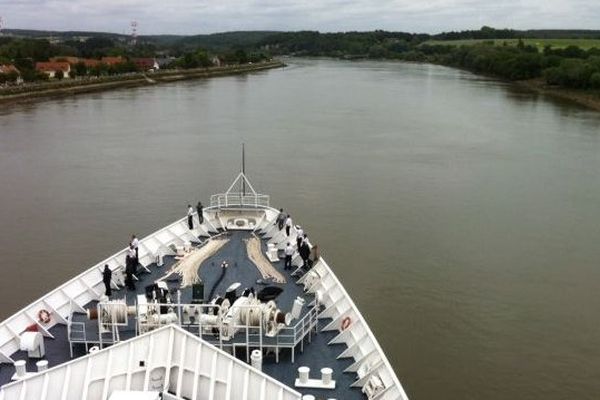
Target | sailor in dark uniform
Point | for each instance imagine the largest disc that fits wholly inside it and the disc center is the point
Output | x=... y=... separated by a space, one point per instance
x=304 y=251
x=130 y=267
x=106 y=278
x=199 y=208
x=190 y=215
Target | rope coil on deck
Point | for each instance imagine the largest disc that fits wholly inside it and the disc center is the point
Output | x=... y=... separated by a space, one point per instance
x=266 y=269
x=187 y=268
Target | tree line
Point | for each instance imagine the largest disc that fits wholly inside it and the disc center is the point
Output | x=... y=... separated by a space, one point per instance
x=570 y=67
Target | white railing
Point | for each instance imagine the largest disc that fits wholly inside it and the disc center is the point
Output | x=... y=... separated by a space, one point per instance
x=225 y=200
x=246 y=335
x=174 y=361
x=82 y=289
x=362 y=346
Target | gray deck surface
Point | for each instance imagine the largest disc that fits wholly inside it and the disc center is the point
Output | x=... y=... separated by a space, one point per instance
x=316 y=355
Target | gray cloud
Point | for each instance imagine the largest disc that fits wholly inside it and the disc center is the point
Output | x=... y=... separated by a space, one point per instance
x=204 y=16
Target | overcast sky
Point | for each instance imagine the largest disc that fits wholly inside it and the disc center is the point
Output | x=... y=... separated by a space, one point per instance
x=207 y=16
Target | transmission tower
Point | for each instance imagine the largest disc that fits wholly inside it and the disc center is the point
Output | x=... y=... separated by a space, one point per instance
x=134 y=26
x=1 y=25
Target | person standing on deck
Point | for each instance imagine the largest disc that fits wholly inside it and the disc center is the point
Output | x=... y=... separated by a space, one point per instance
x=131 y=252
x=129 y=268
x=289 y=252
x=190 y=214
x=305 y=240
x=199 y=209
x=280 y=219
x=299 y=236
x=304 y=251
x=136 y=244
x=106 y=278
x=288 y=225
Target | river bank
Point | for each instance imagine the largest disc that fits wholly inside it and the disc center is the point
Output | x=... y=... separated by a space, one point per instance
x=586 y=98
x=73 y=87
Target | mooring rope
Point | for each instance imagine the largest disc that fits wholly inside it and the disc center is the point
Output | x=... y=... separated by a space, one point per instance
x=264 y=266
x=187 y=268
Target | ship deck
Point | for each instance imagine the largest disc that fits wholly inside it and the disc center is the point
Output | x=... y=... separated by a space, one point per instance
x=314 y=352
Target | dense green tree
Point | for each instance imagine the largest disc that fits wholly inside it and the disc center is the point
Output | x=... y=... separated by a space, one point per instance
x=80 y=69
x=595 y=80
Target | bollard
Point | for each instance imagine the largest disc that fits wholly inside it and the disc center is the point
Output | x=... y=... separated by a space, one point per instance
x=42 y=365
x=20 y=368
x=256 y=359
x=326 y=375
x=303 y=374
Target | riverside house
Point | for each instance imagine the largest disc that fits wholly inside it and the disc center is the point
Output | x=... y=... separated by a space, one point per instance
x=112 y=60
x=146 y=64
x=88 y=62
x=52 y=68
x=9 y=71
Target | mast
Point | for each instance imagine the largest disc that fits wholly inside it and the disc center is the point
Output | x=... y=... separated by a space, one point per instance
x=243 y=171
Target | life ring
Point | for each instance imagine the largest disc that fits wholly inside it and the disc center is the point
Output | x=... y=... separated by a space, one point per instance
x=346 y=323
x=44 y=316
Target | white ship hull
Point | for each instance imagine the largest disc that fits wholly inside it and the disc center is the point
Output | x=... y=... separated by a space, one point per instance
x=191 y=368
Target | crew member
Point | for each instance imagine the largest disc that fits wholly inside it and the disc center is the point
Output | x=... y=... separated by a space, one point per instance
x=305 y=240
x=136 y=244
x=304 y=253
x=288 y=225
x=199 y=208
x=280 y=221
x=289 y=252
x=299 y=236
x=132 y=253
x=106 y=278
x=190 y=214
x=129 y=268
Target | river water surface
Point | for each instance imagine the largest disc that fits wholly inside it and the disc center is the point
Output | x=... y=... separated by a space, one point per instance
x=461 y=214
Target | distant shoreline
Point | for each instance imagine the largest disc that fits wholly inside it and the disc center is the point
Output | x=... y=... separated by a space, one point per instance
x=586 y=98
x=589 y=99
x=67 y=87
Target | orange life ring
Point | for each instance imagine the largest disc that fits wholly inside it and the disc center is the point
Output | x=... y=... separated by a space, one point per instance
x=44 y=316
x=346 y=323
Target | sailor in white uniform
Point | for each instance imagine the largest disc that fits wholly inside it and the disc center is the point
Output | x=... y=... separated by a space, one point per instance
x=289 y=252
x=288 y=225
x=136 y=244
x=190 y=215
x=299 y=236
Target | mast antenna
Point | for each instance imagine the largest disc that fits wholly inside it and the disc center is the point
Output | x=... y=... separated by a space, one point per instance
x=243 y=170
x=134 y=32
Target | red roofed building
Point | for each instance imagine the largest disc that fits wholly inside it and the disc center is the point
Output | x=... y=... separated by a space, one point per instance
x=8 y=68
x=51 y=68
x=89 y=62
x=146 y=64
x=69 y=59
x=112 y=60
